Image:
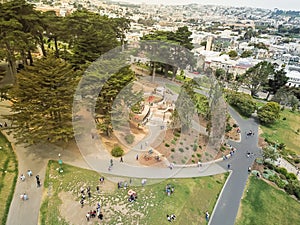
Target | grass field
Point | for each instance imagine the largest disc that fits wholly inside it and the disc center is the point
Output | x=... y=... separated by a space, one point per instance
x=264 y=204
x=8 y=177
x=284 y=131
x=189 y=202
x=174 y=88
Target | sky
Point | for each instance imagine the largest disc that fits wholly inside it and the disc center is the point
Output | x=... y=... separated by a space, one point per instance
x=268 y=4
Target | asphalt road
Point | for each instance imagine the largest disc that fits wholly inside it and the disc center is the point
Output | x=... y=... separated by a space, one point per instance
x=228 y=203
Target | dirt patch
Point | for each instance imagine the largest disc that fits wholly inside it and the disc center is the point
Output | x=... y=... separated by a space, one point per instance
x=261 y=141
x=234 y=133
x=184 y=148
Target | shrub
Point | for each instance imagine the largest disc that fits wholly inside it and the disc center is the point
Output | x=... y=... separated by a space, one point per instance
x=280 y=183
x=291 y=176
x=129 y=138
x=187 y=148
x=173 y=142
x=198 y=155
x=297 y=161
x=117 y=151
x=281 y=170
x=228 y=127
x=195 y=147
x=181 y=149
x=167 y=145
x=177 y=134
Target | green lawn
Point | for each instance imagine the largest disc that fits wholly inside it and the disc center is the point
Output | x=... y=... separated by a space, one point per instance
x=284 y=131
x=8 y=177
x=190 y=200
x=174 y=88
x=264 y=204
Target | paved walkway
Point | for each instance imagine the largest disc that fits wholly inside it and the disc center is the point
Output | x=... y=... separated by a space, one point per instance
x=227 y=206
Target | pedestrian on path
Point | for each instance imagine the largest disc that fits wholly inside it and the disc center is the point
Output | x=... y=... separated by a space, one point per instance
x=22 y=177
x=88 y=216
x=81 y=203
x=29 y=172
x=207 y=216
x=228 y=166
x=111 y=163
x=121 y=159
x=137 y=157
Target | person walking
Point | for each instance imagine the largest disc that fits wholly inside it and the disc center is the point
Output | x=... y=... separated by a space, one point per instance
x=29 y=173
x=121 y=159
x=111 y=162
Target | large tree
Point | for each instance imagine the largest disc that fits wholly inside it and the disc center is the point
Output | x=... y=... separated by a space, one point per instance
x=257 y=76
x=172 y=47
x=269 y=113
x=42 y=102
x=109 y=93
x=18 y=20
x=278 y=81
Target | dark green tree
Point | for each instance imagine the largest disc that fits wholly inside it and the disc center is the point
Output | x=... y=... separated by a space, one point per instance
x=42 y=102
x=278 y=81
x=257 y=76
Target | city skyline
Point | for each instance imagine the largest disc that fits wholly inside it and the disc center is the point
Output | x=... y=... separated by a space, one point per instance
x=268 y=4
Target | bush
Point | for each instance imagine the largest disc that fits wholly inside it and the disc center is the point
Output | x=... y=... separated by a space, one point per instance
x=181 y=149
x=195 y=147
x=129 y=138
x=291 y=176
x=228 y=127
x=117 y=151
x=167 y=145
x=173 y=150
x=281 y=170
x=297 y=161
x=173 y=142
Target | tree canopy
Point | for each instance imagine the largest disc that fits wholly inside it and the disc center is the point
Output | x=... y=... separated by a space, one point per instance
x=269 y=113
x=257 y=76
x=42 y=102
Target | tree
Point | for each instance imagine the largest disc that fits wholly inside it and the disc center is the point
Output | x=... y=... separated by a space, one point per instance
x=171 y=51
x=47 y=115
x=91 y=35
x=17 y=22
x=257 y=76
x=108 y=95
x=269 y=152
x=269 y=113
x=278 y=81
x=244 y=103
x=232 y=54
x=246 y=54
x=220 y=73
x=185 y=106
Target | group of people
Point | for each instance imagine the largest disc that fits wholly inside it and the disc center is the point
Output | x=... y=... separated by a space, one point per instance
x=95 y=213
x=88 y=191
x=169 y=189
x=24 y=196
x=3 y=125
x=171 y=217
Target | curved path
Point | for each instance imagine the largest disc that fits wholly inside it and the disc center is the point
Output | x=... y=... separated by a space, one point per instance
x=227 y=206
